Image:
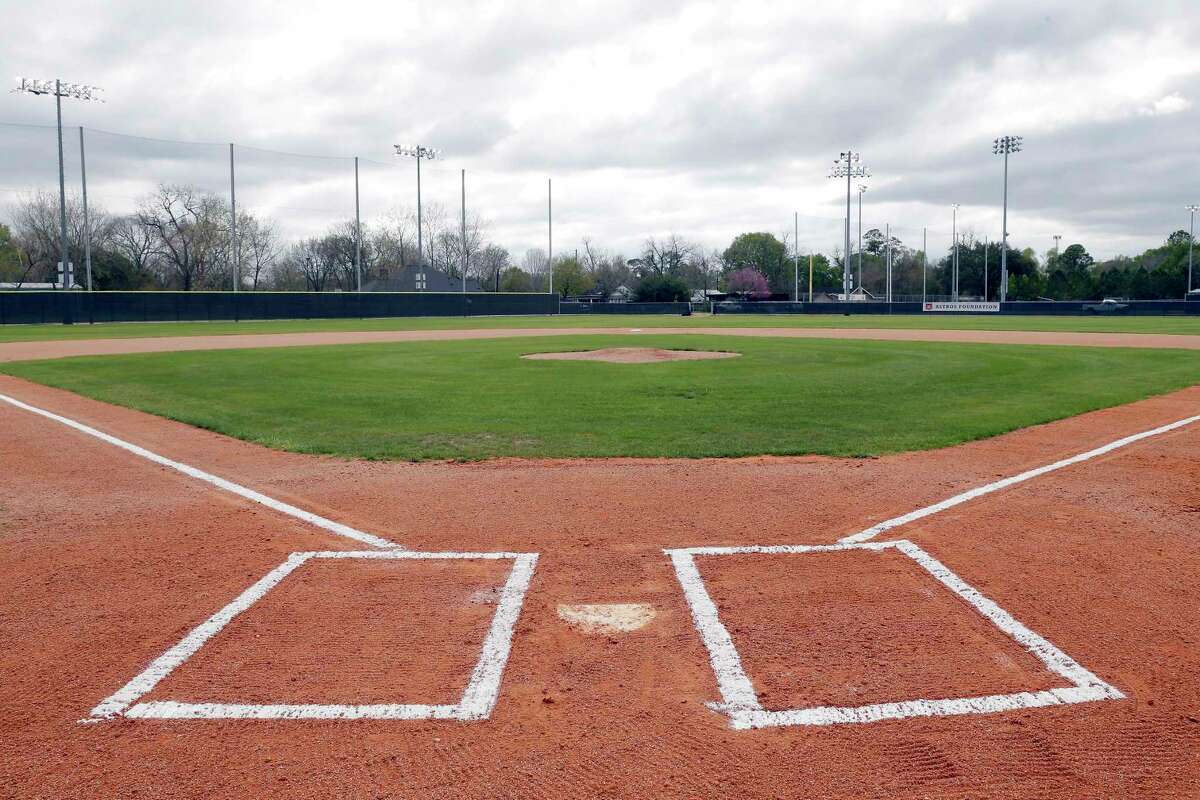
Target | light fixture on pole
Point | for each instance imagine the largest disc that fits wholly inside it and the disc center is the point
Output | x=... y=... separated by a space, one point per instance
x=954 y=255
x=1005 y=146
x=419 y=152
x=75 y=91
x=862 y=187
x=848 y=165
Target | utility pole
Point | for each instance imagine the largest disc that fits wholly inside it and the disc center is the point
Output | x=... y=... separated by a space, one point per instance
x=954 y=255
x=357 y=232
x=60 y=90
x=848 y=165
x=810 y=277
x=985 y=255
x=1005 y=145
x=419 y=152
x=1191 y=243
x=550 y=232
x=887 y=238
x=924 y=250
x=862 y=187
x=87 y=225
x=796 y=258
x=233 y=237
x=464 y=231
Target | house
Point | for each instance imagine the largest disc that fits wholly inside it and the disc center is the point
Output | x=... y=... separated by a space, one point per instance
x=410 y=278
x=622 y=294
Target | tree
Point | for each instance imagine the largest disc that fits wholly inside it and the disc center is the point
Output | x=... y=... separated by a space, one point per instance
x=492 y=261
x=764 y=253
x=190 y=232
x=534 y=265
x=659 y=258
x=749 y=282
x=37 y=232
x=570 y=277
x=515 y=279
x=260 y=249
x=12 y=265
x=660 y=289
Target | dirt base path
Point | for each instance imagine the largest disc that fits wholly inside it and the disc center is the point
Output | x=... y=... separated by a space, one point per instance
x=26 y=351
x=107 y=560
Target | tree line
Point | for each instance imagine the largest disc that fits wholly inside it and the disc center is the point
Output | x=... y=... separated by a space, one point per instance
x=179 y=237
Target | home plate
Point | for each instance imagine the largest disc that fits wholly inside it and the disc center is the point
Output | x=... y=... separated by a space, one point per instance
x=607 y=617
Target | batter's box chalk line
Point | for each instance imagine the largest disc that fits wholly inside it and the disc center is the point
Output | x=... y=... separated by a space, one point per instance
x=740 y=703
x=476 y=703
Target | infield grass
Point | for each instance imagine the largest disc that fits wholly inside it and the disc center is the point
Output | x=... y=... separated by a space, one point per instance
x=477 y=399
x=126 y=330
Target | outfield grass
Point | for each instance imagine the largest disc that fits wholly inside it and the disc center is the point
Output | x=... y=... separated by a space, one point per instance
x=1179 y=325
x=477 y=399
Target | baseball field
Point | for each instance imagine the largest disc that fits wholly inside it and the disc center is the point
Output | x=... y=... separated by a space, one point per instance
x=601 y=557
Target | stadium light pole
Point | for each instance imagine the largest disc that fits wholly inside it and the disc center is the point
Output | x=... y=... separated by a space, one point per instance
x=550 y=231
x=75 y=91
x=87 y=225
x=233 y=237
x=1191 y=244
x=357 y=233
x=795 y=257
x=954 y=255
x=862 y=187
x=924 y=258
x=464 y=231
x=848 y=165
x=1005 y=146
x=418 y=152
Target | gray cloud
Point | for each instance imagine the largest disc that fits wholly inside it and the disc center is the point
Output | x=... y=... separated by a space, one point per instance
x=681 y=116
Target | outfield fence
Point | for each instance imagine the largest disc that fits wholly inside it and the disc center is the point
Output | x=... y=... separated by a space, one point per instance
x=68 y=307
x=1066 y=308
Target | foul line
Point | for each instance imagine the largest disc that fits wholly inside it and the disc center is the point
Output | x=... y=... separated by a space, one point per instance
x=229 y=486
x=971 y=494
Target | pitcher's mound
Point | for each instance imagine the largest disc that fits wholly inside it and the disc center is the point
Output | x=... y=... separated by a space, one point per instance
x=632 y=355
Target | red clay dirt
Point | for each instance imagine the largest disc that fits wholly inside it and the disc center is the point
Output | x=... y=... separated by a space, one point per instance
x=25 y=351
x=107 y=560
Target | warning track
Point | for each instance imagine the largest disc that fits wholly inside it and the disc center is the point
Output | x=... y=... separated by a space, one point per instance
x=110 y=559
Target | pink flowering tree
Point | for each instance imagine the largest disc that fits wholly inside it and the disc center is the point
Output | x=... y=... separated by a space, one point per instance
x=749 y=282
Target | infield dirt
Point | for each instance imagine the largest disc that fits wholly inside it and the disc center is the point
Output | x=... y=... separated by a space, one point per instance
x=108 y=560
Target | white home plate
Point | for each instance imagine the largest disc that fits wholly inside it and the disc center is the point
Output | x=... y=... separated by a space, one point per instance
x=607 y=617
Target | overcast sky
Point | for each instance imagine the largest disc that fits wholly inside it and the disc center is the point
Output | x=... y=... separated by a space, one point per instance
x=702 y=119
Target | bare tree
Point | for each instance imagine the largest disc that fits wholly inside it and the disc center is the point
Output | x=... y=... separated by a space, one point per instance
x=393 y=241
x=665 y=257
x=534 y=263
x=260 y=247
x=133 y=240
x=492 y=261
x=37 y=230
x=190 y=232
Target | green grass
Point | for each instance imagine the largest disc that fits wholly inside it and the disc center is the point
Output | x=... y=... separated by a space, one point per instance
x=477 y=399
x=1182 y=325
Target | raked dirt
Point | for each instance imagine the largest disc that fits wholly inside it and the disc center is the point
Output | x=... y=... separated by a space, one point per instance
x=107 y=560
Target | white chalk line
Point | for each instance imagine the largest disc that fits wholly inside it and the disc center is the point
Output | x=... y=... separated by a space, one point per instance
x=221 y=483
x=971 y=494
x=477 y=701
x=739 y=701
